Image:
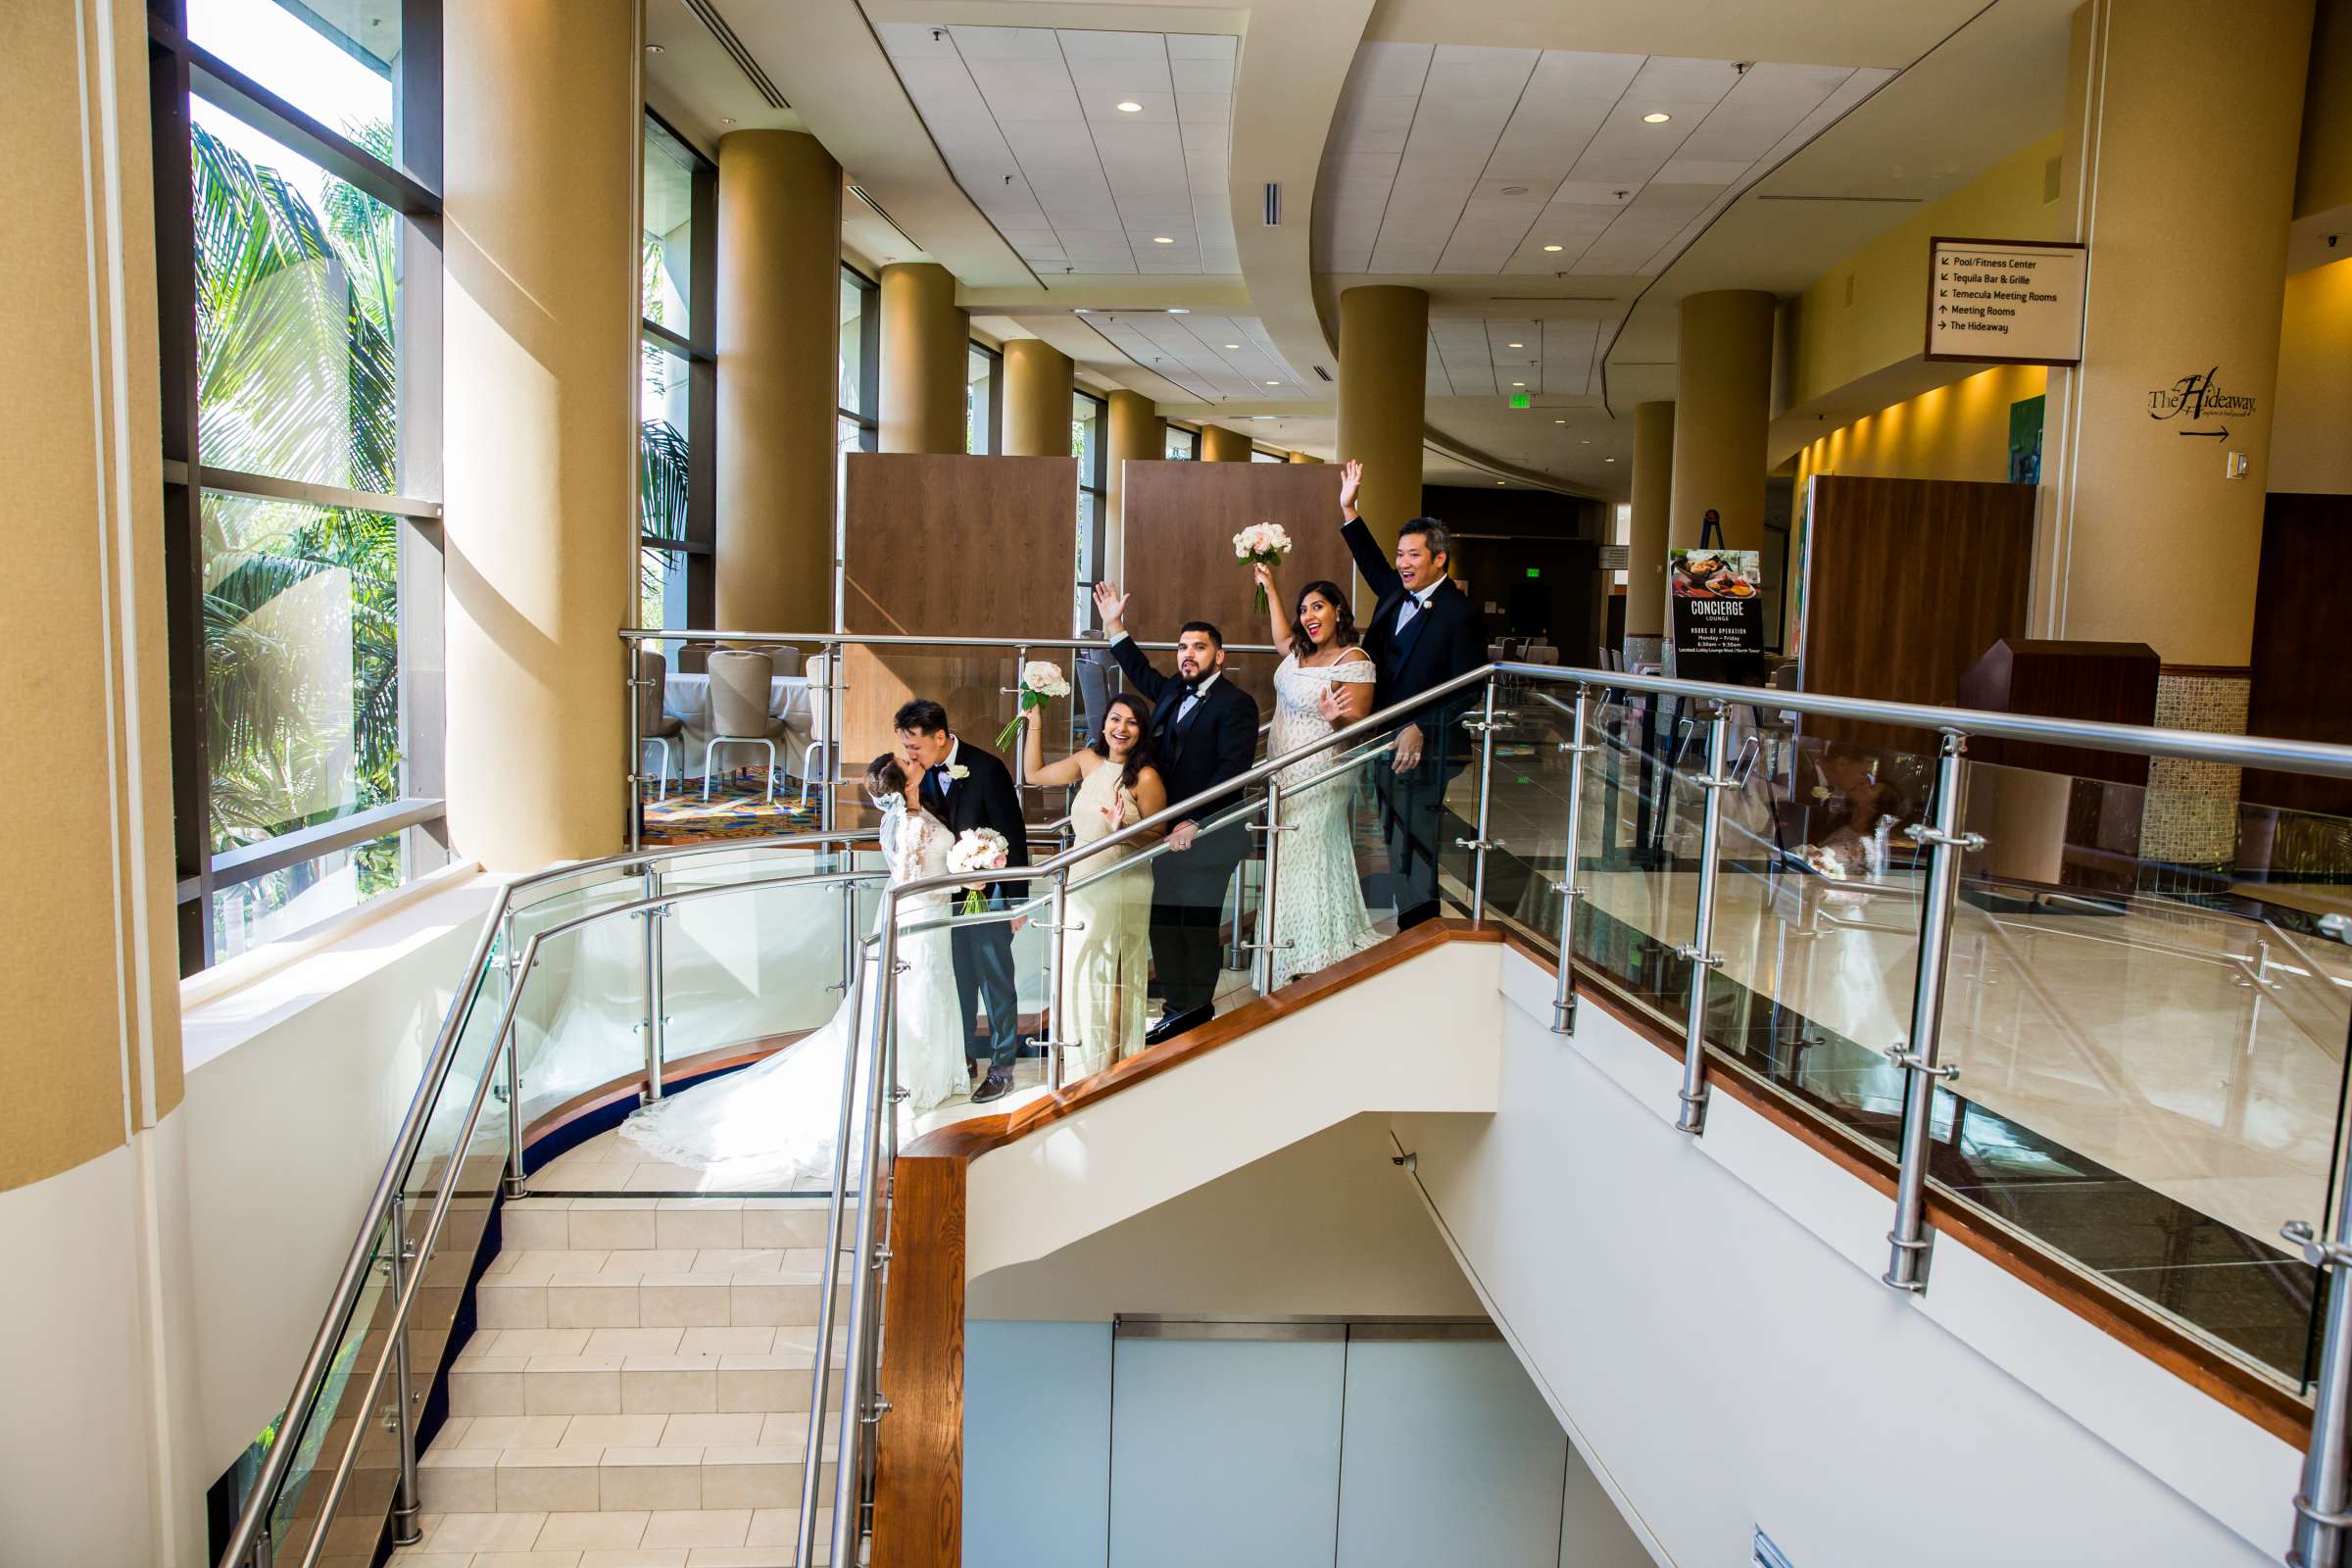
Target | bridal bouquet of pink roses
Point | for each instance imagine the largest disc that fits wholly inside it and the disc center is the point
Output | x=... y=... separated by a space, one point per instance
x=1042 y=680
x=1261 y=543
x=975 y=849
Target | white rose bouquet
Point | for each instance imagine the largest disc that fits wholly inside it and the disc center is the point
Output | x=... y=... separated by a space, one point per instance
x=1042 y=680
x=976 y=849
x=1261 y=543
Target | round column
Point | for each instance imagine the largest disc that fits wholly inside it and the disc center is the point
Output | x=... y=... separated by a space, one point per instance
x=1646 y=545
x=1037 y=399
x=539 y=444
x=1723 y=400
x=1220 y=445
x=779 y=344
x=1137 y=434
x=924 y=341
x=1383 y=363
x=1302 y=457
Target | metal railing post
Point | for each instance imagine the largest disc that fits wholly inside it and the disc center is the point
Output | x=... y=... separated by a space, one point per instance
x=1263 y=972
x=2324 y=1504
x=1907 y=1265
x=861 y=1404
x=1692 y=1117
x=406 y=1531
x=863 y=1001
x=1057 y=957
x=629 y=682
x=1571 y=891
x=826 y=782
x=656 y=1020
x=1020 y=772
x=1486 y=726
x=512 y=965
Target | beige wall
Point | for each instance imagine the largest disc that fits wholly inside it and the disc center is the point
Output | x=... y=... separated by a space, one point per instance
x=540 y=252
x=1959 y=431
x=1871 y=310
x=2310 y=443
x=1220 y=445
x=1324 y=1226
x=2324 y=171
x=779 y=337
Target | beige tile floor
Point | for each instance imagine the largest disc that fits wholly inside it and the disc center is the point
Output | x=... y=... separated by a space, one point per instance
x=2135 y=1040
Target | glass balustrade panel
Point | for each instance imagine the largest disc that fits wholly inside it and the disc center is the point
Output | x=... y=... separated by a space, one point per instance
x=1331 y=850
x=320 y=1431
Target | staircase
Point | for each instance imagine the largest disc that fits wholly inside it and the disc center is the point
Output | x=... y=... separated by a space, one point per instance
x=636 y=1390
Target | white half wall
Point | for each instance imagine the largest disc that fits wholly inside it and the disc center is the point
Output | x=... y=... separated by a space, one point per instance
x=1422 y=1036
x=1706 y=1317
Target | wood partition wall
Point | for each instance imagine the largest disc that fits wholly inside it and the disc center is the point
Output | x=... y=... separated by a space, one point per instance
x=2297 y=689
x=1907 y=583
x=1181 y=520
x=950 y=546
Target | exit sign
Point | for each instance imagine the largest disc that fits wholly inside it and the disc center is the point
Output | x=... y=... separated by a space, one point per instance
x=1523 y=400
x=1535 y=571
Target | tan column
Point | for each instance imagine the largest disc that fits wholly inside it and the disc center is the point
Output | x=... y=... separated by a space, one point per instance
x=1138 y=434
x=540 y=338
x=1384 y=361
x=925 y=341
x=1645 y=547
x=1723 y=400
x=1037 y=399
x=779 y=345
x=2144 y=536
x=1220 y=445
x=1302 y=457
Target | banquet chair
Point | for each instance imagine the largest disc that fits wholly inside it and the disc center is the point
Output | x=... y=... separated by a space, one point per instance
x=741 y=684
x=813 y=702
x=653 y=724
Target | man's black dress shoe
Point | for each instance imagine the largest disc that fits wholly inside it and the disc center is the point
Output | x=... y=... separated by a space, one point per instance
x=1176 y=1023
x=995 y=1086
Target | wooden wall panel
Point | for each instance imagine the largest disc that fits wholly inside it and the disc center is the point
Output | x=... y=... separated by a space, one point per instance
x=950 y=546
x=2298 y=691
x=918 y=1465
x=1180 y=523
x=1907 y=583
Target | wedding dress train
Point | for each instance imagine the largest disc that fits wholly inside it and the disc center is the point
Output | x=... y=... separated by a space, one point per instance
x=1319 y=916
x=782 y=1116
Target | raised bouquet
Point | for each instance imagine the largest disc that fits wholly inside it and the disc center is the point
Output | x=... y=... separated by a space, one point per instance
x=1261 y=543
x=1042 y=680
x=976 y=849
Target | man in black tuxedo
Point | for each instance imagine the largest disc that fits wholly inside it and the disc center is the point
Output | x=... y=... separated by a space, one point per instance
x=1422 y=633
x=1203 y=732
x=966 y=788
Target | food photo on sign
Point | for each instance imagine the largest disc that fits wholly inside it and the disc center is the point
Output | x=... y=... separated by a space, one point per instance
x=1715 y=592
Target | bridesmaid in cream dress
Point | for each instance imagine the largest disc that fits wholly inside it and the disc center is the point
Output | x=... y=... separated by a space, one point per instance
x=1108 y=968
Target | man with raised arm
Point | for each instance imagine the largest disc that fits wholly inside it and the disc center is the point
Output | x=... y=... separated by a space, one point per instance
x=1422 y=633
x=1203 y=732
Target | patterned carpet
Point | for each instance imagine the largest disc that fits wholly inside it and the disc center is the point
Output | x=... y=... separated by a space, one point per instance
x=737 y=809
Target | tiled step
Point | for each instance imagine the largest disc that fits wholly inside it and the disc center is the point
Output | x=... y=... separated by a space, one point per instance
x=716 y=1370
x=698 y=1538
x=615 y=1463
x=591 y=1224
x=666 y=1288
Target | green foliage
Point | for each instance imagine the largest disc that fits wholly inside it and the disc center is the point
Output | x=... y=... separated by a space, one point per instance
x=297 y=377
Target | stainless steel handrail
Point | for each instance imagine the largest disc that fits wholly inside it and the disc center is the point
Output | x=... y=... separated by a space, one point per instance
x=406 y=1141
x=793 y=639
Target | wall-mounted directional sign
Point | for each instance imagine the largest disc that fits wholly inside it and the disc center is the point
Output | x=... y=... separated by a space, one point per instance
x=2004 y=302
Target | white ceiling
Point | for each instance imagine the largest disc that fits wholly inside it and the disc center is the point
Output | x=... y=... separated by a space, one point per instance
x=1218 y=359
x=1472 y=358
x=1029 y=123
x=1451 y=158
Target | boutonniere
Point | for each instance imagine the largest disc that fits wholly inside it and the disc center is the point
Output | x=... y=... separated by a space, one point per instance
x=958 y=772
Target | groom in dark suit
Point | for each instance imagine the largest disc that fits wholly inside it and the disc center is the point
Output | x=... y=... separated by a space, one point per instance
x=1422 y=633
x=1203 y=732
x=966 y=788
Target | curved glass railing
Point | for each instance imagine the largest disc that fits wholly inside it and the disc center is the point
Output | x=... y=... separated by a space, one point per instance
x=2150 y=1046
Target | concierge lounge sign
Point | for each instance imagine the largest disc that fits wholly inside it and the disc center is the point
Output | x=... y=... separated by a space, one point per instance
x=2002 y=302
x=1717 y=615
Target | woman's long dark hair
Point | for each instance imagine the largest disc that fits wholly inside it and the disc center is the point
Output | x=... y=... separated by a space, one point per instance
x=1343 y=632
x=1139 y=757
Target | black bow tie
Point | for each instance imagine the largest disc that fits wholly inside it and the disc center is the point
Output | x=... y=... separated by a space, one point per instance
x=936 y=770
x=1191 y=688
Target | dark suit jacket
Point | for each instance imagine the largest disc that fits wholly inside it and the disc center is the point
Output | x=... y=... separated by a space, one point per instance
x=1441 y=642
x=1217 y=743
x=985 y=798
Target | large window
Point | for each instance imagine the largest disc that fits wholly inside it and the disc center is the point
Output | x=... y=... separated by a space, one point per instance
x=1089 y=416
x=1184 y=444
x=676 y=386
x=298 y=283
x=983 y=402
x=855 y=419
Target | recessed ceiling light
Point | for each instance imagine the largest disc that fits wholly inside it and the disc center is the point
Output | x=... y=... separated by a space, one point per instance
x=1608 y=459
x=1178 y=310
x=1552 y=247
x=1518 y=384
x=1128 y=106
x=1656 y=117
x=1161 y=239
x=653 y=48
x=1559 y=421
x=1233 y=345
x=1582 y=443
x=1082 y=310
x=726 y=120
x=1273 y=383
x=1498 y=481
x=1518 y=345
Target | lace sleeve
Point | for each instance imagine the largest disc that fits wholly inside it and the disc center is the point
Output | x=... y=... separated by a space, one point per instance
x=1354 y=672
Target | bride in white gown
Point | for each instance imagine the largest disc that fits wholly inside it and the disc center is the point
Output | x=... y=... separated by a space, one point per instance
x=1324 y=682
x=781 y=1117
